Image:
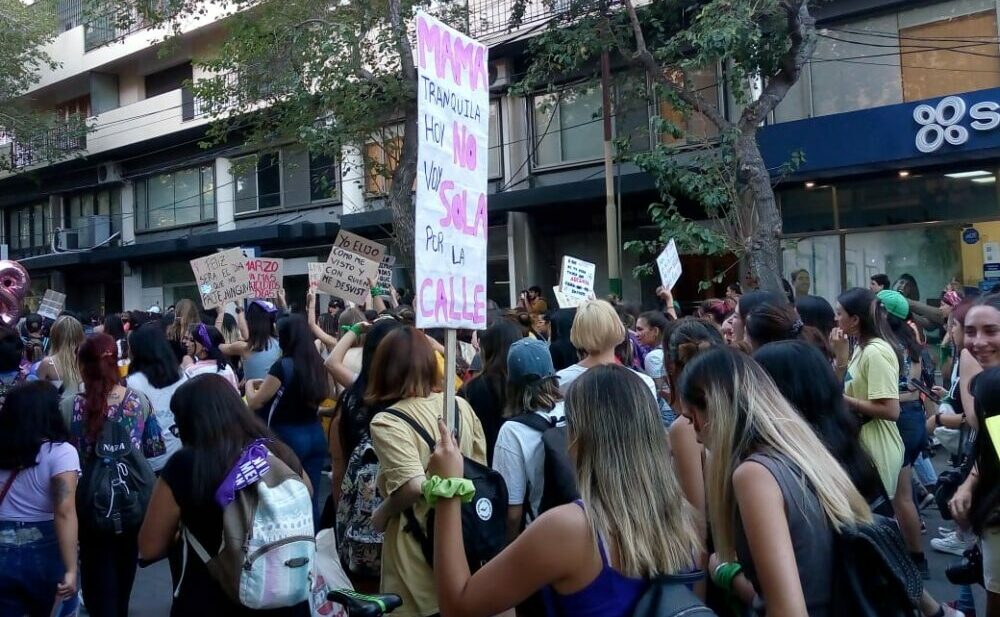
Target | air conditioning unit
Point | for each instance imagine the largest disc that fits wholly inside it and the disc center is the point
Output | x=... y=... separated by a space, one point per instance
x=69 y=240
x=109 y=172
x=96 y=230
x=499 y=74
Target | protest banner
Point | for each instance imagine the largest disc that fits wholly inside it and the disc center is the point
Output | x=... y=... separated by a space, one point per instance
x=452 y=153
x=576 y=277
x=315 y=274
x=266 y=276
x=222 y=277
x=52 y=305
x=669 y=264
x=346 y=275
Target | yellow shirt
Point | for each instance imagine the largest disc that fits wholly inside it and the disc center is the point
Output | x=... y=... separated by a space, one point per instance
x=402 y=456
x=873 y=374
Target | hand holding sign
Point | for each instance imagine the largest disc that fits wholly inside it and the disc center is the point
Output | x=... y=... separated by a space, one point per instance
x=669 y=265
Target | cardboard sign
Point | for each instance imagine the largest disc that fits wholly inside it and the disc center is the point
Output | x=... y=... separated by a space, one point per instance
x=221 y=278
x=315 y=274
x=361 y=246
x=346 y=274
x=576 y=279
x=266 y=276
x=669 y=264
x=385 y=272
x=52 y=305
x=564 y=300
x=453 y=104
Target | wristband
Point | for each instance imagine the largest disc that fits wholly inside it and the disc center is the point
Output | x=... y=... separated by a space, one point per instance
x=436 y=487
x=725 y=573
x=356 y=329
x=377 y=291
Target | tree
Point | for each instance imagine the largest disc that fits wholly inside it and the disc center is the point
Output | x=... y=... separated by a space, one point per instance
x=760 y=48
x=324 y=73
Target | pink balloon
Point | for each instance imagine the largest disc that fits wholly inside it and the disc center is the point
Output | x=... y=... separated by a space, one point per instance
x=14 y=285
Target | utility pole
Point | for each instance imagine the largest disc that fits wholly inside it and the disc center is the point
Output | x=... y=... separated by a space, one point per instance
x=611 y=214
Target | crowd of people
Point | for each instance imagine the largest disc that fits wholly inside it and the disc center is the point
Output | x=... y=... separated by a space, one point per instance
x=730 y=448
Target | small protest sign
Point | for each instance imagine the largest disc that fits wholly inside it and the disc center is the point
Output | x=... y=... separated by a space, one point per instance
x=385 y=272
x=669 y=264
x=360 y=246
x=576 y=278
x=346 y=275
x=566 y=301
x=52 y=305
x=315 y=274
x=222 y=277
x=266 y=276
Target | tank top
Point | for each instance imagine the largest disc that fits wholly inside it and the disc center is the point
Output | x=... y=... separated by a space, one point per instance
x=812 y=536
x=258 y=363
x=611 y=594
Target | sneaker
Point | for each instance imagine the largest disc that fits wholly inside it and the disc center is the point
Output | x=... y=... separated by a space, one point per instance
x=946 y=531
x=951 y=544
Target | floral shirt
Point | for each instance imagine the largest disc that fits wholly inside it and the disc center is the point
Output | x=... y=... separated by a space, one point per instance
x=134 y=412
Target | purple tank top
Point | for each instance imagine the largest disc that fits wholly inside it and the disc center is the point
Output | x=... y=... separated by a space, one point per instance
x=611 y=594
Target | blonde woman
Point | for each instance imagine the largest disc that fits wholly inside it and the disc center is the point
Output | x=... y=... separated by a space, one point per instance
x=775 y=493
x=60 y=367
x=594 y=557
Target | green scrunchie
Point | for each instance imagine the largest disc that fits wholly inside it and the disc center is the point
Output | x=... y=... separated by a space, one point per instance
x=725 y=573
x=435 y=487
x=377 y=291
x=356 y=329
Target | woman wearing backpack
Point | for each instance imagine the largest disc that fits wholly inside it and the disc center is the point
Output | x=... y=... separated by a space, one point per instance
x=289 y=397
x=107 y=560
x=594 y=557
x=776 y=495
x=405 y=375
x=214 y=424
x=38 y=475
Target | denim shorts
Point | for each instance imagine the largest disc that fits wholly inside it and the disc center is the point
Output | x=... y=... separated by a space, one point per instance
x=30 y=568
x=912 y=425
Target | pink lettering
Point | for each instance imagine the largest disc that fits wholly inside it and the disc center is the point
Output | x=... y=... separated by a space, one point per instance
x=479 y=305
x=455 y=211
x=426 y=312
x=468 y=57
x=464 y=146
x=441 y=303
x=448 y=305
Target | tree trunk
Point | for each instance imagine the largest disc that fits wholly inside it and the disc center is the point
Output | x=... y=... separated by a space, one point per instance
x=764 y=243
x=400 y=195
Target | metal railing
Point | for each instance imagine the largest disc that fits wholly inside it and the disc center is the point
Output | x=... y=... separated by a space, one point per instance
x=45 y=145
x=105 y=23
x=496 y=17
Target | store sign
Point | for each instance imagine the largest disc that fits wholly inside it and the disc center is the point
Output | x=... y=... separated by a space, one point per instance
x=970 y=235
x=943 y=122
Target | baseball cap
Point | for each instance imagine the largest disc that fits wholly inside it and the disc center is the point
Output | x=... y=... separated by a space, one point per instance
x=894 y=302
x=528 y=361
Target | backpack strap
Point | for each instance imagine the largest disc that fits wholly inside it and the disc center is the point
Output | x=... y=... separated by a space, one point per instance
x=421 y=431
x=534 y=421
x=287 y=375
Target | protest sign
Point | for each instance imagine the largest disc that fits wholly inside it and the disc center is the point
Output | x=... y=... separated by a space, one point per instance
x=346 y=275
x=669 y=264
x=52 y=304
x=315 y=274
x=452 y=152
x=576 y=278
x=360 y=246
x=566 y=301
x=385 y=272
x=221 y=278
x=266 y=276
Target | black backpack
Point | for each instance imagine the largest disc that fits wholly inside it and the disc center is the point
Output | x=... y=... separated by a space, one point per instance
x=559 y=486
x=669 y=596
x=115 y=485
x=484 y=519
x=874 y=575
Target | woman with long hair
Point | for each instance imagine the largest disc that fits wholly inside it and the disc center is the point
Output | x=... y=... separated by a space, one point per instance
x=748 y=302
x=204 y=345
x=650 y=329
x=871 y=378
x=594 y=557
x=486 y=392
x=289 y=397
x=155 y=372
x=38 y=524
x=216 y=429
x=185 y=315
x=60 y=367
x=260 y=350
x=405 y=375
x=344 y=362
x=776 y=495
x=108 y=561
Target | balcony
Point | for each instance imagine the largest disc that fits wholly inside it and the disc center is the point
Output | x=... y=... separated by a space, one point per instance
x=106 y=23
x=43 y=146
x=493 y=18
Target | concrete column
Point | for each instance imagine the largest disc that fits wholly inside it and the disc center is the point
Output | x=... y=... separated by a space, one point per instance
x=225 y=195
x=352 y=179
x=128 y=213
x=55 y=214
x=522 y=256
x=132 y=288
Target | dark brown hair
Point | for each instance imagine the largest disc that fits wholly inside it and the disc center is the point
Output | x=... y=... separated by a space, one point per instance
x=405 y=366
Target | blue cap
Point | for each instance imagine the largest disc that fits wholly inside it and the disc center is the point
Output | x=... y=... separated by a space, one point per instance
x=528 y=361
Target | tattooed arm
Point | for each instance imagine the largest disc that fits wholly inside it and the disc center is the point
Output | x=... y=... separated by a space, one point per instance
x=63 y=488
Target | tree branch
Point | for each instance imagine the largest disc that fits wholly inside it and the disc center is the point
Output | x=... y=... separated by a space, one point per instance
x=645 y=58
x=802 y=34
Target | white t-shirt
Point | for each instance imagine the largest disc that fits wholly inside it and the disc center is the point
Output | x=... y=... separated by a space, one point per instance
x=653 y=363
x=211 y=367
x=159 y=398
x=569 y=374
x=29 y=499
x=520 y=458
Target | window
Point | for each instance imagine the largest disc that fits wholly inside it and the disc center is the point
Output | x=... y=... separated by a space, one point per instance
x=495 y=167
x=381 y=158
x=258 y=182
x=178 y=198
x=79 y=206
x=28 y=229
x=696 y=126
x=322 y=177
x=950 y=44
x=167 y=79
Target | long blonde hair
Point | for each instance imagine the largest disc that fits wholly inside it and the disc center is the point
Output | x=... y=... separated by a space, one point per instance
x=629 y=491
x=745 y=412
x=66 y=336
x=185 y=315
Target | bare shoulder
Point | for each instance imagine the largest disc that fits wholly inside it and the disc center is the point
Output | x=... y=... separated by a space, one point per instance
x=563 y=523
x=750 y=477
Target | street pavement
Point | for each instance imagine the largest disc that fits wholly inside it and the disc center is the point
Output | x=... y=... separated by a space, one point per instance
x=151 y=595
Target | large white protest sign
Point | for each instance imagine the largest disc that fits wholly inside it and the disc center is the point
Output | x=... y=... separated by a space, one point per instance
x=221 y=278
x=576 y=278
x=669 y=264
x=347 y=275
x=453 y=144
